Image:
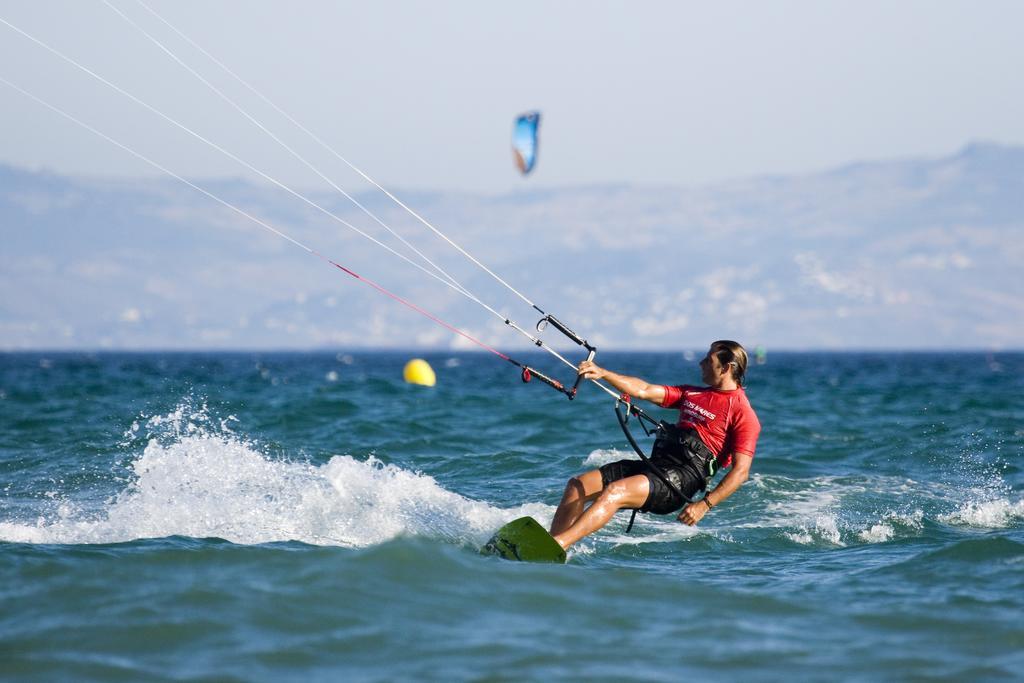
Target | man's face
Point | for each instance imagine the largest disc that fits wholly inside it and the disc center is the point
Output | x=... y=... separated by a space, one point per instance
x=711 y=370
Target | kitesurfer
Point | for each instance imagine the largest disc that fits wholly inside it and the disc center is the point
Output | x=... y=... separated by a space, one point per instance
x=716 y=426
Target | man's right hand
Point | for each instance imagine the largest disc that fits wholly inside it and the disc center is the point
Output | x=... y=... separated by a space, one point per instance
x=588 y=369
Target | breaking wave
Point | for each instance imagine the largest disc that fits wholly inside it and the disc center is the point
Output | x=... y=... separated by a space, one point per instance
x=197 y=478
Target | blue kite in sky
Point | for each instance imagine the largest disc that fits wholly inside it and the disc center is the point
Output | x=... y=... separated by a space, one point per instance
x=524 y=141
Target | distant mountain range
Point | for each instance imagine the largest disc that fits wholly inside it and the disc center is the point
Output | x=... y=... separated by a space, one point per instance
x=919 y=253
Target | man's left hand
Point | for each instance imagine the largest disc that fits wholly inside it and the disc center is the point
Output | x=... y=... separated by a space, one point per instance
x=693 y=513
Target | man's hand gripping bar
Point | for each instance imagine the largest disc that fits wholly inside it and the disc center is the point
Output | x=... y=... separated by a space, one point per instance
x=529 y=372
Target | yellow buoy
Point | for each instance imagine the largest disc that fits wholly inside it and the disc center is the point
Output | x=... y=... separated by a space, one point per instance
x=418 y=371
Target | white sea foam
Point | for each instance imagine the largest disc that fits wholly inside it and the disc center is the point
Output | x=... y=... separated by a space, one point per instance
x=821 y=529
x=843 y=509
x=810 y=515
x=678 y=532
x=603 y=456
x=891 y=523
x=989 y=514
x=213 y=484
x=877 y=533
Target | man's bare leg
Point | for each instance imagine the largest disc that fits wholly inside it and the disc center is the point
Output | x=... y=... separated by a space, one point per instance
x=578 y=491
x=630 y=492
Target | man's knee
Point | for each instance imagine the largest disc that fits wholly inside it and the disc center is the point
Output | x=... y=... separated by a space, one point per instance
x=574 y=490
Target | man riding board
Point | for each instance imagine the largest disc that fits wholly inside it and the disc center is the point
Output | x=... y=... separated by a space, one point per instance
x=716 y=422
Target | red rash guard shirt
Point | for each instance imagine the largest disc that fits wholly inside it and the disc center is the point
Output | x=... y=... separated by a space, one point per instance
x=724 y=420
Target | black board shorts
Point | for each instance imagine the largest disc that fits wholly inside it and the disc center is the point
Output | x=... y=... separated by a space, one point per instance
x=661 y=500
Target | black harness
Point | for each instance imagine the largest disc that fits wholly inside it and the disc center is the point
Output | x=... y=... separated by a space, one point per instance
x=671 y=442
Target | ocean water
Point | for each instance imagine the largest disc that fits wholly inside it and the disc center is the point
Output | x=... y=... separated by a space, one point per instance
x=311 y=517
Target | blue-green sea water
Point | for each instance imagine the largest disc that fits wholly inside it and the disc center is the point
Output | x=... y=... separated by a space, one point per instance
x=311 y=517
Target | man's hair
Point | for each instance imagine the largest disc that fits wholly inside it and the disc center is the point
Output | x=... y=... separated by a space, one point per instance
x=732 y=354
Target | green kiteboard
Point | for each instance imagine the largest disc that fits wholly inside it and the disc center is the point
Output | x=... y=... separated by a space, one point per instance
x=524 y=539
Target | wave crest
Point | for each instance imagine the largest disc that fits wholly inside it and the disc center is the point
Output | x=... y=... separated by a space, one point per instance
x=196 y=478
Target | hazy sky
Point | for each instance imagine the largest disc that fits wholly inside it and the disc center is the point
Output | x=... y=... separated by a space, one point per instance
x=423 y=95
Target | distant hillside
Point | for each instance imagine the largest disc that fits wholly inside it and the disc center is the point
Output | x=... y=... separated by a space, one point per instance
x=900 y=254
